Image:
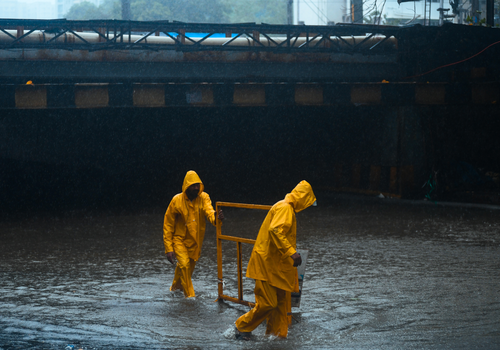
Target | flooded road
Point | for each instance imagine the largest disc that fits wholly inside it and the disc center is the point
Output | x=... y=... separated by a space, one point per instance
x=381 y=274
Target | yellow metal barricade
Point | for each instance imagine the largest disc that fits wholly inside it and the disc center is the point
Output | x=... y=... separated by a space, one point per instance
x=238 y=240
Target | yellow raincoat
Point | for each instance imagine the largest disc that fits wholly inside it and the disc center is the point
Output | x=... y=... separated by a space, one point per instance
x=184 y=231
x=276 y=242
x=271 y=264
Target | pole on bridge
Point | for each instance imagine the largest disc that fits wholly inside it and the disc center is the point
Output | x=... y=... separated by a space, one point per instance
x=289 y=12
x=490 y=13
x=357 y=11
x=126 y=14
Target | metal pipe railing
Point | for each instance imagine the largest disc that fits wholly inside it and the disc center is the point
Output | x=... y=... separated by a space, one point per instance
x=163 y=35
x=238 y=240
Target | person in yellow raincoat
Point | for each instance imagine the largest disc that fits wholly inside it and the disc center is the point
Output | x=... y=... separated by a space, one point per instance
x=184 y=230
x=273 y=265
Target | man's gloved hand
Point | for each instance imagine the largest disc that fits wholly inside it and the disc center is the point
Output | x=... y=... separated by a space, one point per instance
x=297 y=259
x=171 y=257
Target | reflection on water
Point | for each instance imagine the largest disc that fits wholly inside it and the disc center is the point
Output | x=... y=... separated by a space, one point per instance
x=380 y=274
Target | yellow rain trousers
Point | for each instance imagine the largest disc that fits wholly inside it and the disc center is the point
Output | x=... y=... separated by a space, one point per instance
x=271 y=304
x=271 y=264
x=184 y=231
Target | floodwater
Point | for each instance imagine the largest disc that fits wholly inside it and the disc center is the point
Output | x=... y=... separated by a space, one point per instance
x=381 y=273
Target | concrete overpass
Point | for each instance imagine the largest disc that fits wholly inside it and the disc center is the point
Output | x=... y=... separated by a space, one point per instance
x=380 y=106
x=119 y=51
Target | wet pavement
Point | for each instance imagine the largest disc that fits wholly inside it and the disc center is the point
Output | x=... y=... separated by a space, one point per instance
x=381 y=273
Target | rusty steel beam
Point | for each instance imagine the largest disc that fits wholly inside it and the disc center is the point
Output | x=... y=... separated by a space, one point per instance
x=161 y=72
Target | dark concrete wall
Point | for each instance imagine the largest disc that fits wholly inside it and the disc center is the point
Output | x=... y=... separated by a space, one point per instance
x=117 y=155
x=74 y=158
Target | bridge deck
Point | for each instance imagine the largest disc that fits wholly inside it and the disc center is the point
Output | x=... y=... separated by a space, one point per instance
x=161 y=52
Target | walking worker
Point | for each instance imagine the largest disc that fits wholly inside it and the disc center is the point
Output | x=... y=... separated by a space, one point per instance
x=273 y=265
x=184 y=230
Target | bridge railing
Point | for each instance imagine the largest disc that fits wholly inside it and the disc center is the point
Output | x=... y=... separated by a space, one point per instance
x=164 y=35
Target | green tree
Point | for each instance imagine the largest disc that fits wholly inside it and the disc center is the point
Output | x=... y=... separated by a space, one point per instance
x=258 y=11
x=85 y=10
x=204 y=11
x=146 y=10
x=201 y=11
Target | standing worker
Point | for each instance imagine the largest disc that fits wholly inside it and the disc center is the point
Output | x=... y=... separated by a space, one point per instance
x=273 y=265
x=184 y=230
